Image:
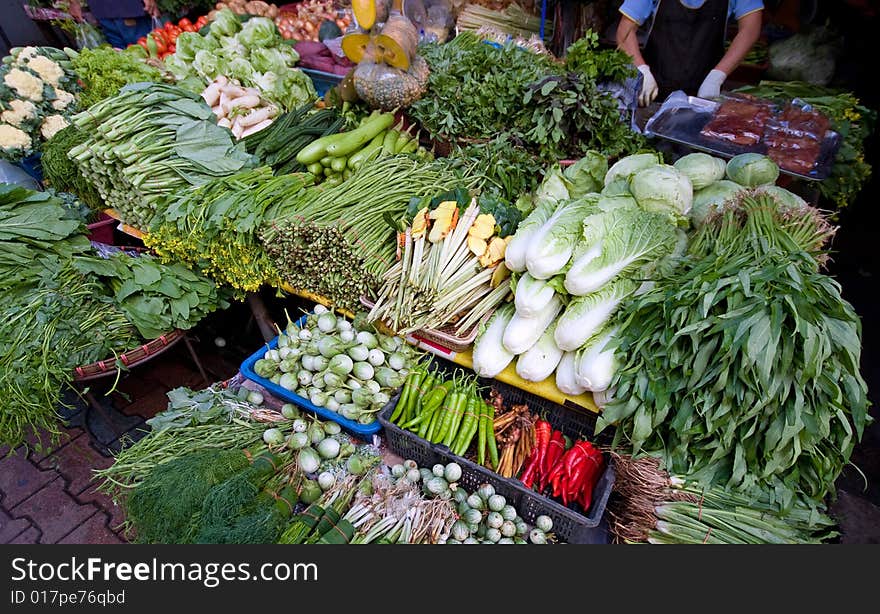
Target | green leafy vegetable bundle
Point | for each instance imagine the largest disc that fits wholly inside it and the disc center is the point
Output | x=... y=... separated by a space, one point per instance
x=741 y=368
x=62 y=173
x=149 y=141
x=156 y=298
x=214 y=228
x=105 y=71
x=555 y=110
x=53 y=318
x=853 y=121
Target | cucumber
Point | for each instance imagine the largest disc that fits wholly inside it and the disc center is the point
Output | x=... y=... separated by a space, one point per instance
x=357 y=138
x=316 y=169
x=356 y=160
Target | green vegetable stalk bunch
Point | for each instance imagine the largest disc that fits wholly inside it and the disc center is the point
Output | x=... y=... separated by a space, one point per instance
x=214 y=228
x=38 y=90
x=741 y=368
x=149 y=141
x=62 y=173
x=337 y=241
x=653 y=506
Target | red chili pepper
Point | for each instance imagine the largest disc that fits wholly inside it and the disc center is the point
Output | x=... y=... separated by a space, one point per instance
x=542 y=443
x=555 y=451
x=528 y=476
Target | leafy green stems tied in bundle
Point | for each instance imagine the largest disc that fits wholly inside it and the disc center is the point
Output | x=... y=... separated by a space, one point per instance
x=214 y=227
x=61 y=172
x=338 y=241
x=741 y=368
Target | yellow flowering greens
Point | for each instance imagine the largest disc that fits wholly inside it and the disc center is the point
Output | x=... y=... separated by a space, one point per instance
x=213 y=228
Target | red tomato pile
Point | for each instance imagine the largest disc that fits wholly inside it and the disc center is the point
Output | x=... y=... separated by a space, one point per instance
x=161 y=42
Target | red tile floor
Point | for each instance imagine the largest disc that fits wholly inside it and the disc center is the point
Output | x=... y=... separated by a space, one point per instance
x=49 y=495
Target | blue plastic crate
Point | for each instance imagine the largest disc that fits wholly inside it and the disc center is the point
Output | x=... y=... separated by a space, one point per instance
x=247 y=369
x=323 y=81
x=33 y=166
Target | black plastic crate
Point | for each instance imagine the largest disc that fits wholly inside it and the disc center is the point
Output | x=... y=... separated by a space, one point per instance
x=569 y=524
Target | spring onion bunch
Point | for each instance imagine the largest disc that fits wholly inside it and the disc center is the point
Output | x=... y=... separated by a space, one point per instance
x=335 y=241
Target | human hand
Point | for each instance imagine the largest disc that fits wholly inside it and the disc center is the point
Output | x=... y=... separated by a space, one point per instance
x=151 y=8
x=75 y=10
x=649 y=86
x=711 y=87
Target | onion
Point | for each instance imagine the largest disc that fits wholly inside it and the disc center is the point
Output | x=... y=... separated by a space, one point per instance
x=326 y=480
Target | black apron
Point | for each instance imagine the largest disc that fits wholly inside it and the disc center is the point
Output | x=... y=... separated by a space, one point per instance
x=685 y=44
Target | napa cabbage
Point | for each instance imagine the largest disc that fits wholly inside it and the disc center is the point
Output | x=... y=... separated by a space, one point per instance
x=490 y=357
x=552 y=245
x=586 y=315
x=515 y=254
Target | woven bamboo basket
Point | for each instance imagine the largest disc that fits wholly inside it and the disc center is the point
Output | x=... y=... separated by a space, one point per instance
x=131 y=358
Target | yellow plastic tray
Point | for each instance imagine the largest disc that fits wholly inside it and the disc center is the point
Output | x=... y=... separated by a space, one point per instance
x=129 y=230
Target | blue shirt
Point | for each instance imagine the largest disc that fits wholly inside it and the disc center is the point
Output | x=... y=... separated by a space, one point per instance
x=640 y=10
x=117 y=9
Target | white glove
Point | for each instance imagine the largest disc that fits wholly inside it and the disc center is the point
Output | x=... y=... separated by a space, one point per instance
x=711 y=87
x=649 y=86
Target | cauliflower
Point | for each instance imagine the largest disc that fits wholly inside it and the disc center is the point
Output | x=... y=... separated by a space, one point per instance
x=25 y=84
x=27 y=53
x=62 y=99
x=21 y=111
x=51 y=125
x=49 y=71
x=13 y=138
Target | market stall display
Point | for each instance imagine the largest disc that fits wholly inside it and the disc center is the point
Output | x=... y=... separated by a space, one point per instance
x=614 y=316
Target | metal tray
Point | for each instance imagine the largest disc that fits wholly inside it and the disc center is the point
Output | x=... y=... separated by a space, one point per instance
x=681 y=118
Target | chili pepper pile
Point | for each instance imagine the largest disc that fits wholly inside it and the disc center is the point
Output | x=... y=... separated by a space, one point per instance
x=515 y=434
x=569 y=474
x=162 y=42
x=448 y=412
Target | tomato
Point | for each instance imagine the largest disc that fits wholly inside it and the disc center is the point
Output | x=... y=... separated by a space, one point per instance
x=169 y=25
x=161 y=43
x=183 y=23
x=201 y=22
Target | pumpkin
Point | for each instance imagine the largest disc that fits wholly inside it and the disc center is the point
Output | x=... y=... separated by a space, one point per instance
x=388 y=88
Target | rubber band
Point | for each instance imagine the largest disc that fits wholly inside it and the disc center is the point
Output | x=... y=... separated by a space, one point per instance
x=708 y=533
